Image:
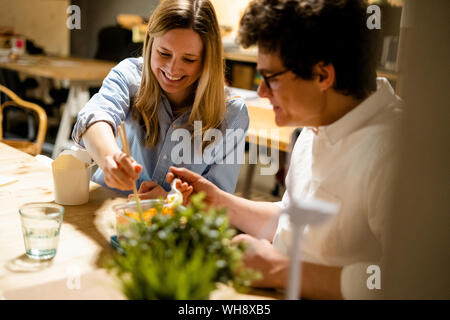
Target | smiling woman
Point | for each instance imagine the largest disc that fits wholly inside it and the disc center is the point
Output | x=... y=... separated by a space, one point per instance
x=183 y=40
x=178 y=80
x=176 y=62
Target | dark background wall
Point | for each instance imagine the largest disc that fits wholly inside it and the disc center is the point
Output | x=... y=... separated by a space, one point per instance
x=96 y=14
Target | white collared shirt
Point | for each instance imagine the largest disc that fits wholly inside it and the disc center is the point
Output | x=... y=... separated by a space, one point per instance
x=350 y=163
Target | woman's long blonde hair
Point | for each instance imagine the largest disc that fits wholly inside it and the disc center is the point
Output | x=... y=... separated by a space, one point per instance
x=209 y=101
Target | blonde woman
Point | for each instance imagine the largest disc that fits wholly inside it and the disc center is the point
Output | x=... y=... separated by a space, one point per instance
x=177 y=84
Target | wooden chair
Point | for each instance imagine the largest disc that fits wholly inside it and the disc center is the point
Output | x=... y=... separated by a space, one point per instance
x=29 y=147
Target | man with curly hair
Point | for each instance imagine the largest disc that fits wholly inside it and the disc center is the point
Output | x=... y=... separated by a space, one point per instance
x=318 y=62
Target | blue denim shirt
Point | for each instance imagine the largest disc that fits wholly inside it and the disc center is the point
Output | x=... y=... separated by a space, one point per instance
x=112 y=105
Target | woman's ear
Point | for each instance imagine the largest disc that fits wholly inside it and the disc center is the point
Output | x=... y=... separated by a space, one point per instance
x=326 y=75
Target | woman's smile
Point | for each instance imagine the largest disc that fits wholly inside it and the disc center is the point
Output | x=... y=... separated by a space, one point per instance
x=171 y=78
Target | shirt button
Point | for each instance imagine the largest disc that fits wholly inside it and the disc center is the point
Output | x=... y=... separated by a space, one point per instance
x=165 y=157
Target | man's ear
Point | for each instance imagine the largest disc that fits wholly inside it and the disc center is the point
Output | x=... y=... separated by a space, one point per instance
x=325 y=75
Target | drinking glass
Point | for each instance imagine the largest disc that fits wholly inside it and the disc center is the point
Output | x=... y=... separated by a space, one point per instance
x=41 y=224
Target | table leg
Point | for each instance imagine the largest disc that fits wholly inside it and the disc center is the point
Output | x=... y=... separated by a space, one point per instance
x=77 y=98
x=248 y=180
x=44 y=89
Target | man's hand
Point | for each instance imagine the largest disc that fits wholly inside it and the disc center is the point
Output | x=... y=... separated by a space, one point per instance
x=262 y=256
x=196 y=182
x=318 y=281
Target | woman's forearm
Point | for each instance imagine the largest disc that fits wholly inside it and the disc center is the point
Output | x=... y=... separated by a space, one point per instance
x=100 y=142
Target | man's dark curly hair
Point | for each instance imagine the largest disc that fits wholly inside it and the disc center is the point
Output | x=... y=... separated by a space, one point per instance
x=306 y=32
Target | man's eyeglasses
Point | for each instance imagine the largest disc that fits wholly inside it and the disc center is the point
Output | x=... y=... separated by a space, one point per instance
x=267 y=79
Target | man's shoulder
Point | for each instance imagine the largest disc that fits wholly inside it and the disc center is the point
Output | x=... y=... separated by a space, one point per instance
x=374 y=146
x=384 y=124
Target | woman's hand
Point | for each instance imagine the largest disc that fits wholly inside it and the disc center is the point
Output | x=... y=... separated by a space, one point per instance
x=149 y=190
x=152 y=190
x=121 y=171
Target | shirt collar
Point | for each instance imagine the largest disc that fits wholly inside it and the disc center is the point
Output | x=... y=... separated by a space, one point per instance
x=168 y=109
x=166 y=104
x=353 y=120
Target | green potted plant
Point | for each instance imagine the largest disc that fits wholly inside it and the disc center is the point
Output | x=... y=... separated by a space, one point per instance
x=182 y=255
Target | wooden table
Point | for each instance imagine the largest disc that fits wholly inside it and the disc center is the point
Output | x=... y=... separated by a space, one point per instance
x=77 y=74
x=263 y=131
x=84 y=238
x=77 y=270
x=60 y=68
x=263 y=127
x=241 y=55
